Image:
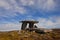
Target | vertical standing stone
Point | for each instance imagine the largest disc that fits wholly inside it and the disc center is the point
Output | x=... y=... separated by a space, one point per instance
x=23 y=26
x=31 y=25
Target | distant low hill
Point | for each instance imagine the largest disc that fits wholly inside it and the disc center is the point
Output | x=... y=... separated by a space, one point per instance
x=26 y=35
x=56 y=30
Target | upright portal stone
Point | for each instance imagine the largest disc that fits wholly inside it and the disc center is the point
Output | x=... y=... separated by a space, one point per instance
x=31 y=24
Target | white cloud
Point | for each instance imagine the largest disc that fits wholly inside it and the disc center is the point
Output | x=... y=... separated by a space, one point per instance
x=49 y=5
x=48 y=23
x=56 y=19
x=4 y=4
x=10 y=26
x=46 y=5
x=20 y=10
x=9 y=7
x=41 y=4
x=27 y=2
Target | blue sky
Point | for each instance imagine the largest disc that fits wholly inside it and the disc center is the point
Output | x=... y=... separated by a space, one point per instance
x=47 y=12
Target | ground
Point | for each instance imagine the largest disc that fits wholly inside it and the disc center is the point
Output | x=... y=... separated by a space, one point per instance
x=26 y=35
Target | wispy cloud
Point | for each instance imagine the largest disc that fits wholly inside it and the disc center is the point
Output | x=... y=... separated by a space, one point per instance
x=10 y=26
x=41 y=4
x=10 y=7
x=4 y=4
x=52 y=22
x=47 y=4
x=27 y=2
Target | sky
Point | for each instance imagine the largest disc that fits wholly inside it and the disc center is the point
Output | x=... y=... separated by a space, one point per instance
x=47 y=12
